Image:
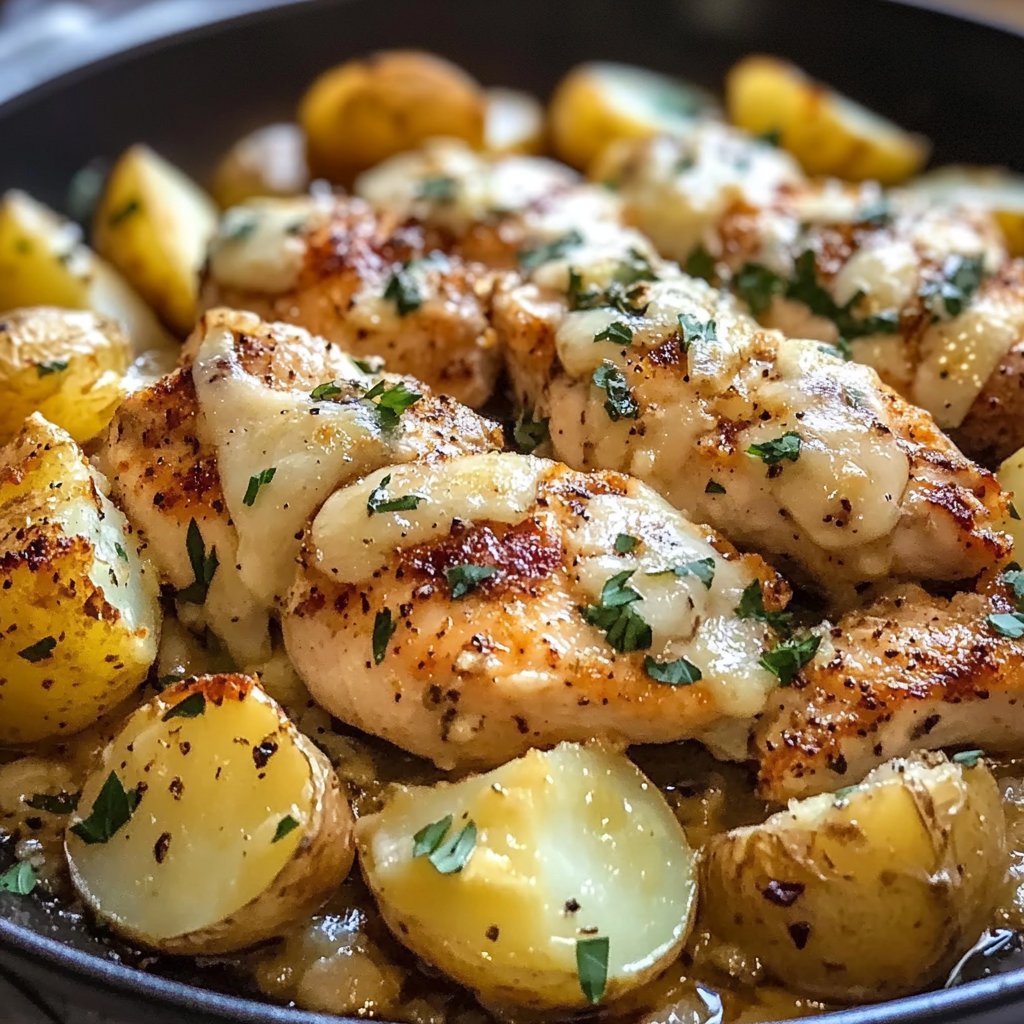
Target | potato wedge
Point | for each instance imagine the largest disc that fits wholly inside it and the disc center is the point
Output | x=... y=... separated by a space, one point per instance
x=595 y=104
x=535 y=865
x=79 y=609
x=992 y=188
x=825 y=131
x=44 y=263
x=870 y=893
x=242 y=827
x=153 y=223
x=514 y=123
x=1010 y=475
x=66 y=364
x=270 y=161
x=365 y=110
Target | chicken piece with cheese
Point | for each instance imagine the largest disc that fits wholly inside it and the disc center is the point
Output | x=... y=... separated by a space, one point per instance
x=333 y=266
x=780 y=444
x=470 y=609
x=921 y=290
x=221 y=463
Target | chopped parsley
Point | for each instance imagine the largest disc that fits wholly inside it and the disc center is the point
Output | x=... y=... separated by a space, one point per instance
x=624 y=293
x=1014 y=514
x=428 y=839
x=191 y=707
x=121 y=553
x=203 y=566
x=702 y=568
x=624 y=543
x=52 y=366
x=122 y=213
x=700 y=263
x=110 y=812
x=530 y=259
x=464 y=579
x=617 y=332
x=261 y=479
x=757 y=286
x=19 y=879
x=592 y=967
x=713 y=487
x=961 y=277
x=672 y=673
x=54 y=803
x=383 y=630
x=372 y=364
x=786 y=660
x=39 y=651
x=786 y=447
x=620 y=403
x=751 y=606
x=448 y=857
x=440 y=189
x=693 y=330
x=772 y=137
x=404 y=291
x=379 y=501
x=623 y=628
x=968 y=758
x=1013 y=577
x=390 y=403
x=284 y=826
x=877 y=212
x=324 y=391
x=1009 y=624
x=529 y=434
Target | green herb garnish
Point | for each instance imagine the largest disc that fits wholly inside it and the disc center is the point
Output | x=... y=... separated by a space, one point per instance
x=39 y=651
x=404 y=291
x=672 y=673
x=441 y=189
x=379 y=501
x=529 y=434
x=191 y=707
x=968 y=758
x=713 y=487
x=624 y=543
x=620 y=403
x=700 y=263
x=110 y=812
x=961 y=277
x=203 y=566
x=592 y=967
x=617 y=332
x=263 y=477
x=390 y=403
x=624 y=629
x=464 y=579
x=693 y=330
x=122 y=213
x=530 y=259
x=751 y=606
x=54 y=803
x=786 y=660
x=1009 y=624
x=383 y=630
x=428 y=839
x=452 y=856
x=786 y=447
x=52 y=366
x=19 y=879
x=284 y=826
x=324 y=391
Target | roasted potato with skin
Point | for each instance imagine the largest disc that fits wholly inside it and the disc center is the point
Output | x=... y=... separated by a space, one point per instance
x=869 y=893
x=514 y=123
x=365 y=110
x=1011 y=478
x=529 y=863
x=992 y=188
x=825 y=131
x=153 y=223
x=211 y=822
x=595 y=104
x=270 y=161
x=79 y=609
x=66 y=364
x=44 y=263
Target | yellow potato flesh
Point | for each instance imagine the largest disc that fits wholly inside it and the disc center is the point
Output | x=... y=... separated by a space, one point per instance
x=1011 y=478
x=571 y=844
x=200 y=846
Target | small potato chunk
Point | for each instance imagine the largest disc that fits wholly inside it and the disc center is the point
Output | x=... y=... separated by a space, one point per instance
x=1010 y=475
x=512 y=882
x=365 y=110
x=514 y=123
x=825 y=131
x=595 y=104
x=270 y=161
x=79 y=608
x=211 y=823
x=992 y=188
x=66 y=364
x=44 y=263
x=153 y=224
x=870 y=893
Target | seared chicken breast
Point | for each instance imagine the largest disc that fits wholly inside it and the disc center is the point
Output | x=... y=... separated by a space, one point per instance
x=470 y=609
x=362 y=282
x=246 y=441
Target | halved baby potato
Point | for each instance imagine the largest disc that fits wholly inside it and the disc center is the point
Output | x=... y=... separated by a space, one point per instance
x=514 y=123
x=44 y=263
x=866 y=894
x=361 y=112
x=557 y=880
x=597 y=103
x=1010 y=475
x=79 y=604
x=992 y=188
x=270 y=161
x=211 y=822
x=825 y=131
x=66 y=364
x=153 y=224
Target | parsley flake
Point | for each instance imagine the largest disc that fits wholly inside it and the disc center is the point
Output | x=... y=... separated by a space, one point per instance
x=1009 y=624
x=203 y=566
x=592 y=967
x=700 y=263
x=620 y=403
x=672 y=673
x=52 y=366
x=451 y=857
x=530 y=259
x=379 y=501
x=440 y=189
x=751 y=606
x=324 y=391
x=713 y=487
x=284 y=826
x=110 y=812
x=122 y=213
x=968 y=758
x=623 y=628
x=529 y=434
x=191 y=707
x=54 y=803
x=1014 y=514
x=428 y=839
x=757 y=286
x=263 y=477
x=961 y=277
x=121 y=553
x=617 y=332
x=786 y=660
x=702 y=568
x=41 y=650
x=390 y=403
x=693 y=330
x=19 y=879
x=383 y=630
x=464 y=579
x=786 y=447
x=404 y=291
x=624 y=543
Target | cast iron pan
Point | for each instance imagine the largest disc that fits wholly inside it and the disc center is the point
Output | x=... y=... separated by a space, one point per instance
x=189 y=92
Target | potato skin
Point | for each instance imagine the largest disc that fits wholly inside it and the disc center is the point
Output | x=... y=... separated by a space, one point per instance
x=365 y=110
x=67 y=365
x=79 y=609
x=869 y=894
x=320 y=860
x=993 y=428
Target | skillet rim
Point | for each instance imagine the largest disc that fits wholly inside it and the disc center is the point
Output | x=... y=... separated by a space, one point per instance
x=130 y=39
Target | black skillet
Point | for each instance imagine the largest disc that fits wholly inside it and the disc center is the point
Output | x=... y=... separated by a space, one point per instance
x=188 y=88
